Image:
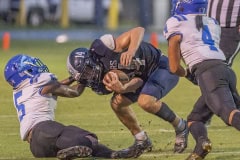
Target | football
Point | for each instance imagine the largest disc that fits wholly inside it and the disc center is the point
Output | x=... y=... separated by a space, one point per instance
x=123 y=77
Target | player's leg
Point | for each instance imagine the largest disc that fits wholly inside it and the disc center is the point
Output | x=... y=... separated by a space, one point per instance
x=87 y=141
x=43 y=138
x=74 y=152
x=121 y=106
x=196 y=124
x=234 y=91
x=215 y=86
x=215 y=99
x=159 y=84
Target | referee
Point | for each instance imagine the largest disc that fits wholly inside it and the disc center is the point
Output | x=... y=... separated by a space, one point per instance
x=227 y=13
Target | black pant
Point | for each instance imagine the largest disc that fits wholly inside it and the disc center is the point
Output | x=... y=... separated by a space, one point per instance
x=217 y=82
x=49 y=137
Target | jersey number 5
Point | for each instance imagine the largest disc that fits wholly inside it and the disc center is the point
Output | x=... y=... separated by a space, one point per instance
x=20 y=107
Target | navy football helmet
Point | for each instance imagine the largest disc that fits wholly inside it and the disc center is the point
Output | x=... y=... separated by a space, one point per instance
x=189 y=7
x=84 y=68
x=21 y=67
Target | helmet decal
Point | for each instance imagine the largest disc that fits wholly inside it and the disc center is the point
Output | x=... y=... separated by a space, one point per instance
x=21 y=67
x=189 y=7
x=83 y=67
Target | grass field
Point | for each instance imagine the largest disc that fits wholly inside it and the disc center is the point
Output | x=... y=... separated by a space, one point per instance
x=93 y=112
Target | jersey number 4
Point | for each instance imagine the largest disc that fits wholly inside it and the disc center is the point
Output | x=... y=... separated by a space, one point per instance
x=207 y=38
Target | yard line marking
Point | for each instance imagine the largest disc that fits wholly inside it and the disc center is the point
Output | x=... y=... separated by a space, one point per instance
x=7 y=116
x=170 y=154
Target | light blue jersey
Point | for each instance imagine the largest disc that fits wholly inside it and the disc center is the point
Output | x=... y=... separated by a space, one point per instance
x=196 y=45
x=31 y=106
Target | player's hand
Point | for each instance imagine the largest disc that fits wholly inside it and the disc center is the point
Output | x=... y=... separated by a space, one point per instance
x=191 y=77
x=126 y=58
x=67 y=81
x=112 y=83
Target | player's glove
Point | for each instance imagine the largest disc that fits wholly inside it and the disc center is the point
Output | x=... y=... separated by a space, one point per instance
x=191 y=77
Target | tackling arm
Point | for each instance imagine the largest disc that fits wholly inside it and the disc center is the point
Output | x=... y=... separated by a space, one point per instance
x=67 y=81
x=174 y=55
x=62 y=90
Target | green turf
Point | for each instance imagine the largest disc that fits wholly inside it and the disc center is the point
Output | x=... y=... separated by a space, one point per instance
x=93 y=112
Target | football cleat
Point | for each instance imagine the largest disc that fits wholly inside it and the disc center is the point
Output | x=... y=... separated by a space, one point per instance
x=135 y=150
x=74 y=152
x=181 y=140
x=140 y=146
x=125 y=153
x=194 y=156
x=206 y=147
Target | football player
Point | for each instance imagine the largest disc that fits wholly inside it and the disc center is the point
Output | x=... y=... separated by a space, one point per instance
x=35 y=92
x=194 y=38
x=150 y=81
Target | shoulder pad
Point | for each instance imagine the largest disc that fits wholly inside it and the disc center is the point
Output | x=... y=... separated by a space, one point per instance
x=42 y=79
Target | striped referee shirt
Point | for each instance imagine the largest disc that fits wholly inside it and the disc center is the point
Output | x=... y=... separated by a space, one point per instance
x=226 y=12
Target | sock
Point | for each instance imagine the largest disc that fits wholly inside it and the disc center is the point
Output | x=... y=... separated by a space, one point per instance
x=181 y=125
x=102 y=151
x=140 y=136
x=199 y=133
x=166 y=113
x=197 y=130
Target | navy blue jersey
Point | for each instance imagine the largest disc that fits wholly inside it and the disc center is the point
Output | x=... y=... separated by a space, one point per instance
x=145 y=61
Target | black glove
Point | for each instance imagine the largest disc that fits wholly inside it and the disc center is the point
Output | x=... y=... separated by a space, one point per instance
x=191 y=77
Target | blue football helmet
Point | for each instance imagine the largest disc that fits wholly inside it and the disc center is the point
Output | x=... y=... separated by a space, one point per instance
x=21 y=67
x=189 y=7
x=84 y=68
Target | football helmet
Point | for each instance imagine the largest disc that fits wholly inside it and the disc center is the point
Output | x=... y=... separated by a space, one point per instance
x=84 y=68
x=189 y=7
x=21 y=67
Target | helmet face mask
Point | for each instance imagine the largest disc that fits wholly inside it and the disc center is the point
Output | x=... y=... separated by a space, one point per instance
x=83 y=68
x=189 y=7
x=21 y=67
